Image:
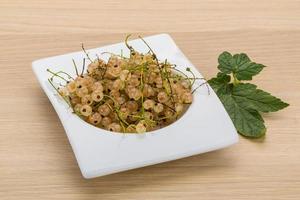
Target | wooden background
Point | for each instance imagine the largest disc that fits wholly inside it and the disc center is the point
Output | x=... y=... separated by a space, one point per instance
x=36 y=160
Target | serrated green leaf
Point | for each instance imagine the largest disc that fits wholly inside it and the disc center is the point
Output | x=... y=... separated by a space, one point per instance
x=249 y=97
x=257 y=115
x=247 y=70
x=243 y=101
x=220 y=81
x=246 y=123
x=239 y=64
x=226 y=64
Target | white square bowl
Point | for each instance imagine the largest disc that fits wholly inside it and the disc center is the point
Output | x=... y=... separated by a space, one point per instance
x=204 y=127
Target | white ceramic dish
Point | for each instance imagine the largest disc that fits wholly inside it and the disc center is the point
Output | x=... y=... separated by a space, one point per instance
x=204 y=127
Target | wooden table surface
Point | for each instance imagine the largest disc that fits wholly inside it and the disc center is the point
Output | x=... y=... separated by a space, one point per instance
x=36 y=160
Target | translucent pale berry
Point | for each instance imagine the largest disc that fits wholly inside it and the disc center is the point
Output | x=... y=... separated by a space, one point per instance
x=92 y=67
x=82 y=91
x=178 y=108
x=134 y=93
x=97 y=86
x=105 y=121
x=95 y=118
x=149 y=115
x=124 y=113
x=162 y=97
x=75 y=100
x=185 y=83
x=187 y=97
x=71 y=87
x=148 y=104
x=104 y=110
x=87 y=99
x=63 y=92
x=124 y=75
x=132 y=106
x=130 y=128
x=77 y=108
x=115 y=127
x=118 y=84
x=158 y=107
x=86 y=110
x=140 y=128
x=97 y=96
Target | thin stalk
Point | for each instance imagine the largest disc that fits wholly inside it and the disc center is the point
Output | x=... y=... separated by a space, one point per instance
x=62 y=72
x=113 y=54
x=127 y=45
x=180 y=72
x=154 y=55
x=205 y=83
x=235 y=80
x=76 y=69
x=189 y=70
x=60 y=94
x=87 y=55
x=83 y=67
x=56 y=75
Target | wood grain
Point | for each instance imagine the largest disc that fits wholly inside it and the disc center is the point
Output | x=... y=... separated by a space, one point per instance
x=36 y=160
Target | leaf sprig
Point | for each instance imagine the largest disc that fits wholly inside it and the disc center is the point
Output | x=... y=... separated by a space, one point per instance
x=243 y=101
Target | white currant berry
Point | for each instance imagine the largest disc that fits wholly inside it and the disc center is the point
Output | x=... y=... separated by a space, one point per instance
x=115 y=127
x=71 y=87
x=86 y=110
x=187 y=97
x=148 y=104
x=97 y=86
x=124 y=75
x=82 y=91
x=178 y=108
x=104 y=110
x=140 y=128
x=97 y=96
x=95 y=118
x=158 y=107
x=105 y=121
x=87 y=99
x=162 y=97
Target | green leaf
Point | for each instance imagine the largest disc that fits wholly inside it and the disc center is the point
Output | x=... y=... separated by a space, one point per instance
x=243 y=101
x=247 y=70
x=220 y=81
x=249 y=97
x=226 y=64
x=256 y=114
x=247 y=123
x=239 y=64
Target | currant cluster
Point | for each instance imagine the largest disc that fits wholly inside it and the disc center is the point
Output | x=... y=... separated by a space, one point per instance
x=132 y=94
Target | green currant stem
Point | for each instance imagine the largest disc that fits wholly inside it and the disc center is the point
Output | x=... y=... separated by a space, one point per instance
x=166 y=106
x=194 y=77
x=87 y=55
x=118 y=115
x=83 y=67
x=56 y=75
x=154 y=55
x=62 y=72
x=113 y=54
x=205 y=83
x=182 y=73
x=60 y=94
x=75 y=67
x=127 y=45
x=111 y=99
x=235 y=80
